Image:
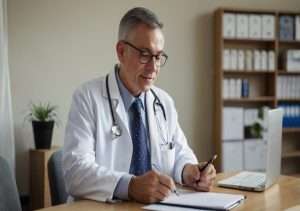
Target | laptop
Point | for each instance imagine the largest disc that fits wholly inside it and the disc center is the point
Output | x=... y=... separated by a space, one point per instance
x=259 y=181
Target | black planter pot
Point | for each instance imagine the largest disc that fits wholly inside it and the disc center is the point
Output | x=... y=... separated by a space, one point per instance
x=42 y=132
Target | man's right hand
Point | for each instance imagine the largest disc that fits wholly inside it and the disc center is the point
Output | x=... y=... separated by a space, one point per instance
x=150 y=187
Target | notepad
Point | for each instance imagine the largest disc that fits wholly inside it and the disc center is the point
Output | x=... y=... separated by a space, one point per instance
x=205 y=200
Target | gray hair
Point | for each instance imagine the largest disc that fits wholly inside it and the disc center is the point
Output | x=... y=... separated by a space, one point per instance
x=135 y=17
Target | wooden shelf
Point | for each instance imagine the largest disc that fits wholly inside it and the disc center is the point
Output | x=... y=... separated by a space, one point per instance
x=294 y=154
x=262 y=84
x=249 y=100
x=291 y=100
x=239 y=40
x=291 y=130
x=288 y=13
x=289 y=42
x=284 y=72
x=247 y=11
x=248 y=72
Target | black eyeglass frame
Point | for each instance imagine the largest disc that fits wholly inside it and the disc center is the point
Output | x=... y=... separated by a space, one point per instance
x=149 y=55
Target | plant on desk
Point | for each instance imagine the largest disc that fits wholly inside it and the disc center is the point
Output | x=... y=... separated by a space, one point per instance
x=43 y=117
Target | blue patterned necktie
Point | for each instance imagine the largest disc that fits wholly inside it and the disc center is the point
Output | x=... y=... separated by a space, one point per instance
x=140 y=162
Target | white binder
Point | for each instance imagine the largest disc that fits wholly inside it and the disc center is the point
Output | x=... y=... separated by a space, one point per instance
x=255 y=27
x=229 y=25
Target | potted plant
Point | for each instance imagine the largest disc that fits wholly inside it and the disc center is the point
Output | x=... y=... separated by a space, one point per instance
x=43 y=117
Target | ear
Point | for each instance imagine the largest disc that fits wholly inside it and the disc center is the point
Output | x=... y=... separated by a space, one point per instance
x=120 y=48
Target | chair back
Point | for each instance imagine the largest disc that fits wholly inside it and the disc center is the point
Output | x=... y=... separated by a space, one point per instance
x=9 y=195
x=56 y=179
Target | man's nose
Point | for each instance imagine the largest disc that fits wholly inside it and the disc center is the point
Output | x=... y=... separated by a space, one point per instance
x=153 y=64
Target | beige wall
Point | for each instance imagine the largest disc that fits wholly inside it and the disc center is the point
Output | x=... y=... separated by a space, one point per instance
x=55 y=45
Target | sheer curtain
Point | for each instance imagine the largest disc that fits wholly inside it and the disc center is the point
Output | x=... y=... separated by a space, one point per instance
x=7 y=143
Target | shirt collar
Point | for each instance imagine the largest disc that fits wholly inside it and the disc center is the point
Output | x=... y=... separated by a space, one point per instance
x=127 y=97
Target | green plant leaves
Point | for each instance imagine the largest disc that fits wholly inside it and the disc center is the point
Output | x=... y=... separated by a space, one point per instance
x=42 y=112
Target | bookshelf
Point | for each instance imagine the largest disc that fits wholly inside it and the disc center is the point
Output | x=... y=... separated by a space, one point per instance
x=263 y=89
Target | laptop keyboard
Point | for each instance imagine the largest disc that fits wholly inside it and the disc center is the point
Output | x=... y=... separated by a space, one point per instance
x=247 y=179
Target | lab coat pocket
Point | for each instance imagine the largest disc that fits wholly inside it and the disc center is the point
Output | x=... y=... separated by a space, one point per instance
x=167 y=159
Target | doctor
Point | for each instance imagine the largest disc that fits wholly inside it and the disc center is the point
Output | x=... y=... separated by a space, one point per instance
x=123 y=139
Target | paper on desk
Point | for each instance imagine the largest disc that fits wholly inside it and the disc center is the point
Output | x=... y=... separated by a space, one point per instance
x=159 y=207
x=198 y=200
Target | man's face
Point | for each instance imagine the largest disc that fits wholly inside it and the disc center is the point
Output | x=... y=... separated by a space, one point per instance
x=136 y=76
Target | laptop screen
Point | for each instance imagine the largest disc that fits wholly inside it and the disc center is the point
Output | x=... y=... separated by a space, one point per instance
x=274 y=145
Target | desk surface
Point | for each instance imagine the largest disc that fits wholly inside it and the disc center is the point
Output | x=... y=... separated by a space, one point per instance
x=285 y=194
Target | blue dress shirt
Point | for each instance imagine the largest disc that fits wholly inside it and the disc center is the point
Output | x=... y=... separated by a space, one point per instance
x=121 y=190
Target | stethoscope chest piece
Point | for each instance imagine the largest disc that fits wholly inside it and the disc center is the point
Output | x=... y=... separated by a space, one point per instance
x=116 y=131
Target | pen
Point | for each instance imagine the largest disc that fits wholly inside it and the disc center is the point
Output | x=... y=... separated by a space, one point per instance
x=208 y=162
x=201 y=169
x=174 y=190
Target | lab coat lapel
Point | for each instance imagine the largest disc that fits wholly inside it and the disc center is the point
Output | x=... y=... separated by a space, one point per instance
x=154 y=137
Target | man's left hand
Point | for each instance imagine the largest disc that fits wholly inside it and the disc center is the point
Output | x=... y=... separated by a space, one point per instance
x=201 y=181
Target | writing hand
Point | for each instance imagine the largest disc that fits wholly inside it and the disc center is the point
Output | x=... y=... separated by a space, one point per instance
x=150 y=187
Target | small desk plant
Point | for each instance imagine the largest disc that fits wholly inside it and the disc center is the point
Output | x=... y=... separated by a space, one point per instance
x=43 y=117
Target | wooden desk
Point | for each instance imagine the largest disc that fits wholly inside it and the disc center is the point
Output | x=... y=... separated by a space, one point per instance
x=283 y=195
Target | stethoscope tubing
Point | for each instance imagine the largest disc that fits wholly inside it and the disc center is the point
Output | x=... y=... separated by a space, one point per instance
x=109 y=101
x=114 y=121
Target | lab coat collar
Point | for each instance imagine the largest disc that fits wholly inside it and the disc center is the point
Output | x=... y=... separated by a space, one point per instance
x=113 y=87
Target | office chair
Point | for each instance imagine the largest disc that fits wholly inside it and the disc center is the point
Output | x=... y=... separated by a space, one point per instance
x=56 y=180
x=9 y=196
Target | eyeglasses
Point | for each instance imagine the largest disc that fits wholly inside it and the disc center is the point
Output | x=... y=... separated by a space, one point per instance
x=146 y=56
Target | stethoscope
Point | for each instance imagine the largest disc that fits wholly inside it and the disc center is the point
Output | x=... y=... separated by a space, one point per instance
x=116 y=130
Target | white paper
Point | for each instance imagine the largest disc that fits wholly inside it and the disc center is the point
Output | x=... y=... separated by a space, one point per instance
x=159 y=207
x=205 y=199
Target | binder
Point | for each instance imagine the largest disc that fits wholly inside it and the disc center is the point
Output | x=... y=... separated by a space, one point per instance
x=286 y=27
x=229 y=25
x=268 y=26
x=255 y=26
x=242 y=26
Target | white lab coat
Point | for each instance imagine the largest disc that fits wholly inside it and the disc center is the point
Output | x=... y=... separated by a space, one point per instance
x=93 y=162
